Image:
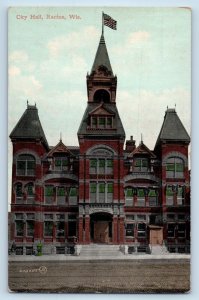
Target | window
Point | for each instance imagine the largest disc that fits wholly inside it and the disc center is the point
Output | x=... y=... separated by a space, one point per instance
x=141 y=165
x=174 y=168
x=140 y=197
x=19 y=225
x=102 y=122
x=49 y=194
x=141 y=230
x=130 y=217
x=171 y=230
x=30 y=228
x=19 y=194
x=181 y=230
x=153 y=201
x=94 y=122
x=171 y=217
x=109 y=166
x=72 y=225
x=60 y=195
x=129 y=197
x=180 y=196
x=73 y=196
x=48 y=225
x=110 y=192
x=101 y=166
x=130 y=230
x=60 y=229
x=169 y=195
x=30 y=193
x=181 y=217
x=102 y=192
x=61 y=164
x=141 y=217
x=25 y=165
x=109 y=122
x=60 y=217
x=101 y=169
x=48 y=228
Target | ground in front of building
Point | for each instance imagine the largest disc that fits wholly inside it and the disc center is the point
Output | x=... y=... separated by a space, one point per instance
x=132 y=276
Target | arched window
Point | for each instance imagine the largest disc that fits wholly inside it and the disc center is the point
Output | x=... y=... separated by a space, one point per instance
x=30 y=192
x=101 y=96
x=19 y=193
x=174 y=167
x=26 y=165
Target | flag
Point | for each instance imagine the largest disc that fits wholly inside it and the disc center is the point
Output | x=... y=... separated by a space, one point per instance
x=108 y=21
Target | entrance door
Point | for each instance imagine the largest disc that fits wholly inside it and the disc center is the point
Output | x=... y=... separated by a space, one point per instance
x=101 y=232
x=156 y=236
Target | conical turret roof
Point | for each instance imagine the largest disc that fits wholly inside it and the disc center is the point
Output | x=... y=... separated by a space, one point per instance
x=172 y=128
x=29 y=126
x=101 y=57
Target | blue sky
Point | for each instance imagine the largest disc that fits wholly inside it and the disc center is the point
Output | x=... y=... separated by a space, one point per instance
x=49 y=60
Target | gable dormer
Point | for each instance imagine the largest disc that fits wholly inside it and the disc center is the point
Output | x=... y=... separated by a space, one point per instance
x=60 y=158
x=101 y=117
x=142 y=158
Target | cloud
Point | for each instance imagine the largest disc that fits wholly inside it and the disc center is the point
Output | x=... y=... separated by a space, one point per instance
x=21 y=59
x=72 y=40
x=27 y=86
x=143 y=111
x=138 y=37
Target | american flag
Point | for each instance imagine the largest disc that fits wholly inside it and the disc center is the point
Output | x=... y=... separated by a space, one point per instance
x=108 y=21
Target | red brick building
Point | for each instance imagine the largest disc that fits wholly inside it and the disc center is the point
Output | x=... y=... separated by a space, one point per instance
x=102 y=191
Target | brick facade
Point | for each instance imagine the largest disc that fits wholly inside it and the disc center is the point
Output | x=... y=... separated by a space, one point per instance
x=103 y=191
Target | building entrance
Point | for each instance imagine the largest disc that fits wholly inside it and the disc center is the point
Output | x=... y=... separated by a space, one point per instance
x=156 y=235
x=101 y=228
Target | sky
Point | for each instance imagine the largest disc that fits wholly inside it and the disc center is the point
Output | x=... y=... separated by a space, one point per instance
x=48 y=60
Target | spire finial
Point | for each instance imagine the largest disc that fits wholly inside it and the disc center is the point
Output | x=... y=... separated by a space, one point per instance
x=175 y=106
x=35 y=104
x=27 y=102
x=141 y=138
x=60 y=137
x=102 y=23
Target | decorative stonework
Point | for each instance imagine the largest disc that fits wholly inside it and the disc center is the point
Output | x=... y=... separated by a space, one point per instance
x=101 y=150
x=26 y=151
x=174 y=154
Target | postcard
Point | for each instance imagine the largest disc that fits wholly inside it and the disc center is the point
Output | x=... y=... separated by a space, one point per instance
x=99 y=149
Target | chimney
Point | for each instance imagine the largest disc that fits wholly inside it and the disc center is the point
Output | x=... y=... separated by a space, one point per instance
x=130 y=145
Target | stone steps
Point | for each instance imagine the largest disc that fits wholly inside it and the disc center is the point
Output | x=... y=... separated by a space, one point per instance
x=158 y=249
x=99 y=250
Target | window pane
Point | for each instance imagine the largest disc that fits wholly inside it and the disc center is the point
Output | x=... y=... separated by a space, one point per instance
x=30 y=228
x=101 y=121
x=169 y=191
x=141 y=193
x=109 y=163
x=49 y=191
x=19 y=190
x=93 y=187
x=102 y=187
x=48 y=228
x=19 y=228
x=170 y=167
x=93 y=163
x=60 y=229
x=60 y=191
x=129 y=192
x=152 y=193
x=73 y=191
x=102 y=163
x=110 y=187
x=179 y=167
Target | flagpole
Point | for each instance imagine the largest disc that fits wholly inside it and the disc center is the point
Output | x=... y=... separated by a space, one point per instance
x=102 y=23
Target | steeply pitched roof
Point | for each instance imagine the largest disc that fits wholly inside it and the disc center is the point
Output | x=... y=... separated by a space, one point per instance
x=118 y=131
x=172 y=128
x=29 y=126
x=59 y=148
x=142 y=149
x=101 y=57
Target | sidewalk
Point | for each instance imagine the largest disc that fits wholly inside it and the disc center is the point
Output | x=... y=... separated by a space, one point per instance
x=63 y=257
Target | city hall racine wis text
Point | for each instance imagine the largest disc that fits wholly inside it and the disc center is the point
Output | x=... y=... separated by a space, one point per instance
x=104 y=191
